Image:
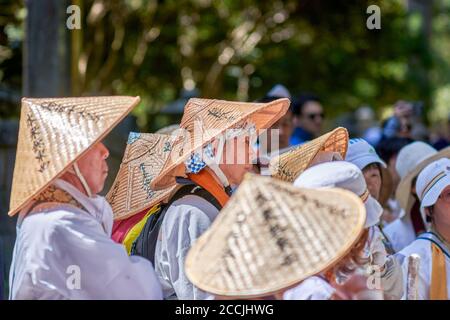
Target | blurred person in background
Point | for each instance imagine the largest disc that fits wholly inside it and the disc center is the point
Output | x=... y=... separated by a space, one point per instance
x=284 y=125
x=442 y=139
x=308 y=118
x=367 y=126
x=1 y=272
x=406 y=122
x=275 y=140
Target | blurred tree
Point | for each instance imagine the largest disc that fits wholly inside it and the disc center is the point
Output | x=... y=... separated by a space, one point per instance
x=237 y=49
x=12 y=15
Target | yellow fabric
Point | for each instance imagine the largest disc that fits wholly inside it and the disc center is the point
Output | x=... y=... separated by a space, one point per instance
x=136 y=230
x=438 y=288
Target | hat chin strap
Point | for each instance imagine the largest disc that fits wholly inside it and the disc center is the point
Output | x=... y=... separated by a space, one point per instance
x=212 y=164
x=82 y=180
x=217 y=171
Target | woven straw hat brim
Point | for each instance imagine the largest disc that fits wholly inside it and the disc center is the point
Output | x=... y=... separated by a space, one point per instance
x=56 y=132
x=271 y=236
x=288 y=166
x=143 y=159
x=403 y=191
x=169 y=129
x=214 y=117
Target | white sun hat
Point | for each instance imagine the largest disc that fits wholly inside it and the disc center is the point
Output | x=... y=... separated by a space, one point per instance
x=431 y=181
x=279 y=91
x=345 y=175
x=361 y=153
x=412 y=159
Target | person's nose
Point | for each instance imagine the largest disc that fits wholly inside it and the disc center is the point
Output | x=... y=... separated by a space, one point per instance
x=104 y=151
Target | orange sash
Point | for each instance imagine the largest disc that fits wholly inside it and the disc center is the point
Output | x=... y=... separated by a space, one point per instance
x=205 y=180
x=438 y=287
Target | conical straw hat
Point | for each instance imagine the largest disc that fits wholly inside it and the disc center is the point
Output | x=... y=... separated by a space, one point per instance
x=288 y=166
x=205 y=119
x=54 y=133
x=144 y=156
x=272 y=235
x=168 y=129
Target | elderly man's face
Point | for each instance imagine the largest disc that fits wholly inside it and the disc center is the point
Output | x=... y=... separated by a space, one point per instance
x=237 y=159
x=94 y=168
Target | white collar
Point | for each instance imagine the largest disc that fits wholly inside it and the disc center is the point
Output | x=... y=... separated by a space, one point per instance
x=96 y=206
x=83 y=199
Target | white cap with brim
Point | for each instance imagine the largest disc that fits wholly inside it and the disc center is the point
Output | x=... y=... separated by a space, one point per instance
x=345 y=175
x=431 y=181
x=279 y=91
x=361 y=153
x=411 y=160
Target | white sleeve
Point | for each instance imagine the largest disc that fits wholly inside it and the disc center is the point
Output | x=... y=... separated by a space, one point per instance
x=392 y=279
x=136 y=281
x=86 y=264
x=376 y=249
x=182 y=225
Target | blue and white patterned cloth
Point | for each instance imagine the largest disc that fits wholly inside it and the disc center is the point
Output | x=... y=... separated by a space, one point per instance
x=195 y=162
x=132 y=137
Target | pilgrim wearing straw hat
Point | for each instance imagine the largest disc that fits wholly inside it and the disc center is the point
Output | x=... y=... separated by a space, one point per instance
x=411 y=159
x=131 y=198
x=346 y=175
x=331 y=146
x=433 y=247
x=271 y=236
x=209 y=157
x=63 y=248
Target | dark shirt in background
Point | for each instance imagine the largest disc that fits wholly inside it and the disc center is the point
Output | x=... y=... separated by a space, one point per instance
x=300 y=136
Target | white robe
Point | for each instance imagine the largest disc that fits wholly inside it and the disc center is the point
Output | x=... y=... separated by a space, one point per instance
x=400 y=232
x=63 y=252
x=185 y=220
x=315 y=288
x=312 y=288
x=423 y=249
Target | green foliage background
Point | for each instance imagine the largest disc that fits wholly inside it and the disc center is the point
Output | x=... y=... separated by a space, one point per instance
x=238 y=49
